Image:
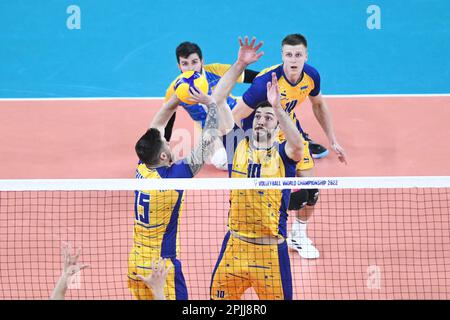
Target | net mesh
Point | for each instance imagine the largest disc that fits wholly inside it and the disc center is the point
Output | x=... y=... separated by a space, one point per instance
x=375 y=242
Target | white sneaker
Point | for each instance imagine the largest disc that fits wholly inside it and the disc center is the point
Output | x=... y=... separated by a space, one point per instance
x=304 y=247
x=219 y=159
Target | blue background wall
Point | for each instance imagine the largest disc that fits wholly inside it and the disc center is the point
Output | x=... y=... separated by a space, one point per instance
x=126 y=48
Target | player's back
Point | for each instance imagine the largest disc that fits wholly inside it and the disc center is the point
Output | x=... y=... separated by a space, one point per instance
x=157 y=212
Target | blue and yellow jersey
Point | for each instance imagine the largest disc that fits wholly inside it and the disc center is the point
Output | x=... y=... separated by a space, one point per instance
x=213 y=73
x=260 y=213
x=157 y=212
x=292 y=94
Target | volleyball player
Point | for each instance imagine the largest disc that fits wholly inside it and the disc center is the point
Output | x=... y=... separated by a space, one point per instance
x=190 y=58
x=157 y=212
x=297 y=80
x=254 y=252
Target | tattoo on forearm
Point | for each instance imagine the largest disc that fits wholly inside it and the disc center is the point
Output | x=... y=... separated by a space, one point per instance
x=210 y=133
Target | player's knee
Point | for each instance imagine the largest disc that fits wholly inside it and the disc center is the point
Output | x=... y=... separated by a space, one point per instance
x=313 y=196
x=298 y=200
x=302 y=198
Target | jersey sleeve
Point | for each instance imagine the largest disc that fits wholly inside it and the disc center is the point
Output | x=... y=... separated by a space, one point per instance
x=286 y=160
x=257 y=92
x=220 y=69
x=179 y=169
x=314 y=74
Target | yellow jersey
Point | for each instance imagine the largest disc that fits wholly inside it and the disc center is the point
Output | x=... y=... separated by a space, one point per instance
x=260 y=213
x=292 y=94
x=157 y=212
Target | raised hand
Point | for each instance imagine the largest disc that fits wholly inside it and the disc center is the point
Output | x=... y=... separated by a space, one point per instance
x=248 y=53
x=157 y=280
x=70 y=262
x=273 y=91
x=70 y=268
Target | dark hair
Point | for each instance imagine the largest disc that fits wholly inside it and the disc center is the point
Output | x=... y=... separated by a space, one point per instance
x=263 y=104
x=149 y=146
x=294 y=39
x=185 y=49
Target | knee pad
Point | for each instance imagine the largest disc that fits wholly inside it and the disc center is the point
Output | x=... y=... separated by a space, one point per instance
x=303 y=197
x=313 y=196
x=298 y=200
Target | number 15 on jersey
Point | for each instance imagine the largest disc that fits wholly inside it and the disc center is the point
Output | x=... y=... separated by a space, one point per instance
x=142 y=206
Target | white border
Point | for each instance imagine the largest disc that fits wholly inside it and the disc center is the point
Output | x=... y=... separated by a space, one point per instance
x=226 y=184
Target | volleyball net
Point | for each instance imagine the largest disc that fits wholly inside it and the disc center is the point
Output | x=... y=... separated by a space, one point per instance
x=378 y=237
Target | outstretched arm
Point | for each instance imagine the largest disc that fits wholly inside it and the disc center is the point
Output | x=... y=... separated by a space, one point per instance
x=210 y=133
x=294 y=140
x=248 y=54
x=217 y=106
x=241 y=111
x=323 y=116
x=164 y=114
x=70 y=268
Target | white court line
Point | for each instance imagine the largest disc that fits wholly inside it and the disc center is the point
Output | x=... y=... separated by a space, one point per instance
x=418 y=95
